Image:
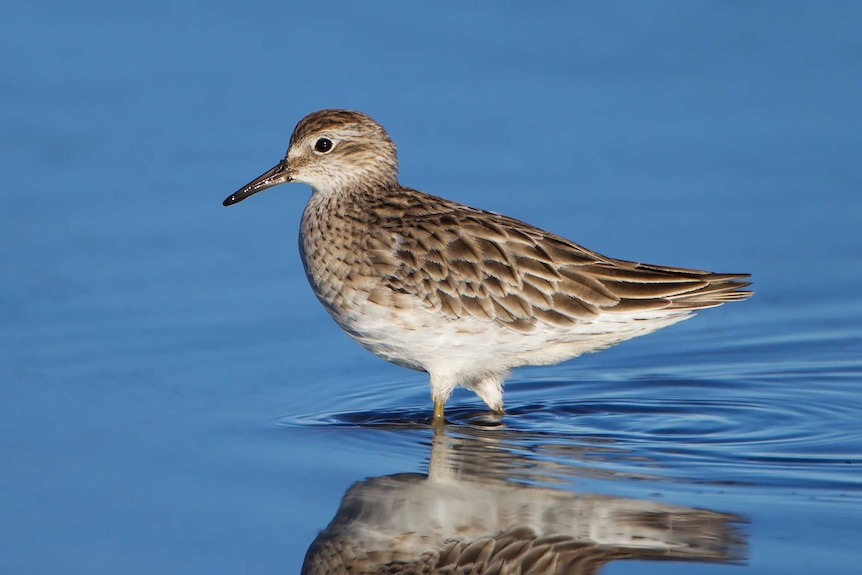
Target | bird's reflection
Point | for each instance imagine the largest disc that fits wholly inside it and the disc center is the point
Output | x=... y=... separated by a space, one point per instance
x=484 y=508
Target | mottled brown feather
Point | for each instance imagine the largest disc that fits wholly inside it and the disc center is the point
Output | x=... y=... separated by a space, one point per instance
x=517 y=551
x=472 y=255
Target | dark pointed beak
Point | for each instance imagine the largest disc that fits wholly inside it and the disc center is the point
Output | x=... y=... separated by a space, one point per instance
x=277 y=175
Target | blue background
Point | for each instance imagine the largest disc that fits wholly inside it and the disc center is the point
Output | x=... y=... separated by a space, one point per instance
x=172 y=397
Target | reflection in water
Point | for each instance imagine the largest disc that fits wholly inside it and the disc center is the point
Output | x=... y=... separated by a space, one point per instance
x=469 y=516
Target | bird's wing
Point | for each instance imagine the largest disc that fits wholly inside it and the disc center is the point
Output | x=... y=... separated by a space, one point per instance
x=460 y=261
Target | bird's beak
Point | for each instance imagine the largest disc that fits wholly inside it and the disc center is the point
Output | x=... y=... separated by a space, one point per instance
x=277 y=175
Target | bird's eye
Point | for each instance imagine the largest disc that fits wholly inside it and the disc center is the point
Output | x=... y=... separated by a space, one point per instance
x=323 y=145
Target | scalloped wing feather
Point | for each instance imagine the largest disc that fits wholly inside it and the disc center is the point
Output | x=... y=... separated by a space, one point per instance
x=463 y=261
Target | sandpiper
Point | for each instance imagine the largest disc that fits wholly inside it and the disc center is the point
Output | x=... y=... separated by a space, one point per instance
x=458 y=292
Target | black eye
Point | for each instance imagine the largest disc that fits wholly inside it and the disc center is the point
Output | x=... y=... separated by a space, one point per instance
x=323 y=145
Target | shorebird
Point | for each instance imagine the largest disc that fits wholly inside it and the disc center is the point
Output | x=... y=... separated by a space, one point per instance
x=461 y=293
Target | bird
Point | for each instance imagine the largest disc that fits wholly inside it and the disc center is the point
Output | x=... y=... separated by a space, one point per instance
x=463 y=294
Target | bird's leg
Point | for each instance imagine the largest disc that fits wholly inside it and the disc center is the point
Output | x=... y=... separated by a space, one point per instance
x=438 y=412
x=490 y=390
x=441 y=389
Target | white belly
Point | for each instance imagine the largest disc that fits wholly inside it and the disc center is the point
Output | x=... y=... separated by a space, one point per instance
x=466 y=348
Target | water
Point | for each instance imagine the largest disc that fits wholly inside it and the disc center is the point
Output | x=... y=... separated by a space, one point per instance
x=174 y=400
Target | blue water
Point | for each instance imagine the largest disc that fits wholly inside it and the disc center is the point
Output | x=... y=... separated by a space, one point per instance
x=174 y=400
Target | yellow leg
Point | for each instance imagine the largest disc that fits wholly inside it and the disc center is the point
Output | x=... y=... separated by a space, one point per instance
x=438 y=412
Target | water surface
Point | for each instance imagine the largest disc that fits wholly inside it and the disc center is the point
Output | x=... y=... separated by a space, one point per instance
x=174 y=400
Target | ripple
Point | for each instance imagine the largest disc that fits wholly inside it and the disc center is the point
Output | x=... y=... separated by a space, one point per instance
x=399 y=418
x=762 y=430
x=801 y=436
